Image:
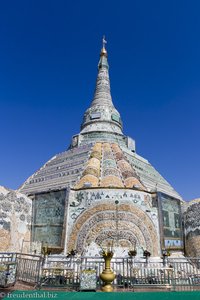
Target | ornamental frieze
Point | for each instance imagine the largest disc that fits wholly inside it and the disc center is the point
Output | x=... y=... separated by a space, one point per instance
x=81 y=200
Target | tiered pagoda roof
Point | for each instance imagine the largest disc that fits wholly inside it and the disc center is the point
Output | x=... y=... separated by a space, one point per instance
x=100 y=155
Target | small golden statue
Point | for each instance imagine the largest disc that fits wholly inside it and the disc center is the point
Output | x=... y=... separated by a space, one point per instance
x=45 y=249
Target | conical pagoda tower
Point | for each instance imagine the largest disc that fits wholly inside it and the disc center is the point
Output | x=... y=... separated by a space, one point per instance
x=100 y=192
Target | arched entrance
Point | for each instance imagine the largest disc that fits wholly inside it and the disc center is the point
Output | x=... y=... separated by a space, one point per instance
x=98 y=225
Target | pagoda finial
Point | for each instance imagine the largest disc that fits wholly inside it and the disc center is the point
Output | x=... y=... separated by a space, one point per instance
x=103 y=50
x=104 y=42
x=102 y=115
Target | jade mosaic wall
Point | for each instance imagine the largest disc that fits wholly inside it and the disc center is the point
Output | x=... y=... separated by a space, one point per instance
x=49 y=210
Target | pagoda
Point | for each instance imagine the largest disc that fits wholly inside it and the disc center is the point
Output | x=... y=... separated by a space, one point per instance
x=100 y=193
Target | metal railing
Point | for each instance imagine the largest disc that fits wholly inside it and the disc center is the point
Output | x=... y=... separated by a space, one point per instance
x=131 y=273
x=174 y=274
x=29 y=267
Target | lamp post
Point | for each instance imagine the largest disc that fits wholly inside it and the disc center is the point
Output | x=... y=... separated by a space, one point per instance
x=45 y=251
x=165 y=254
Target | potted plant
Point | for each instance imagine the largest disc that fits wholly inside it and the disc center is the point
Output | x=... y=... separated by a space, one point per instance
x=132 y=253
x=146 y=254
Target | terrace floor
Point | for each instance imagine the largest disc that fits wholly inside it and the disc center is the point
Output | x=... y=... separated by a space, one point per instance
x=24 y=294
x=25 y=291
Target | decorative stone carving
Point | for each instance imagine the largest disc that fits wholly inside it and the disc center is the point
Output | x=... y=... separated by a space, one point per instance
x=111 y=181
x=5 y=239
x=15 y=217
x=192 y=228
x=103 y=217
x=115 y=169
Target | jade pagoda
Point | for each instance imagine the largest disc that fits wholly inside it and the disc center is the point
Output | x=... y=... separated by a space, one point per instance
x=99 y=193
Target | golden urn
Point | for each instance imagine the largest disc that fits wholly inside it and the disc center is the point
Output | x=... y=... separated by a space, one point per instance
x=107 y=276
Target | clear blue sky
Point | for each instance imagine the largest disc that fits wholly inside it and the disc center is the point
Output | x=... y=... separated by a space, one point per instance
x=49 y=52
